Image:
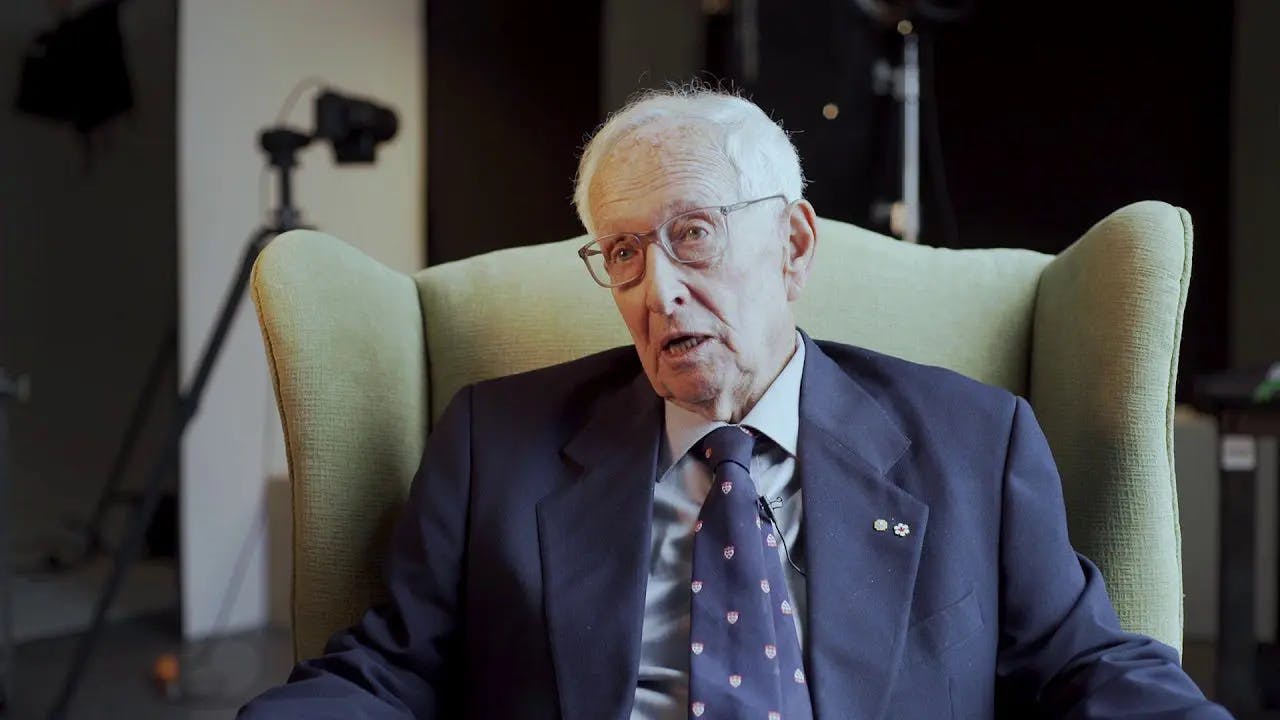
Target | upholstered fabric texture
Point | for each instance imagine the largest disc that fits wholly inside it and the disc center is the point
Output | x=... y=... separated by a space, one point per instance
x=343 y=337
x=363 y=357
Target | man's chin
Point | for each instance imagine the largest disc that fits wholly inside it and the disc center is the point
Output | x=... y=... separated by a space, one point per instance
x=690 y=390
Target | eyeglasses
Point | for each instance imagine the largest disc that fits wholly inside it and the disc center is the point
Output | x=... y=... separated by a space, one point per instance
x=691 y=237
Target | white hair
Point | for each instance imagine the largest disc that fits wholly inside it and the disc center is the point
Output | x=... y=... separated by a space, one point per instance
x=757 y=148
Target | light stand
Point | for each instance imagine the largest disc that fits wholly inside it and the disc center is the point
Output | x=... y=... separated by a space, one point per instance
x=93 y=542
x=9 y=390
x=354 y=127
x=281 y=146
x=903 y=82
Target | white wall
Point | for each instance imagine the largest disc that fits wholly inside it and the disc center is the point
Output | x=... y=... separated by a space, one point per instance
x=237 y=60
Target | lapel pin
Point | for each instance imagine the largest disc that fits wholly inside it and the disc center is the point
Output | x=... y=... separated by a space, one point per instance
x=881 y=524
x=901 y=529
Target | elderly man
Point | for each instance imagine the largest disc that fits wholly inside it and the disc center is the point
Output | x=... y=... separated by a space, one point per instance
x=731 y=520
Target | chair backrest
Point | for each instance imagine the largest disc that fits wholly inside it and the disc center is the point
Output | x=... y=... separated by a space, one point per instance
x=363 y=357
x=524 y=308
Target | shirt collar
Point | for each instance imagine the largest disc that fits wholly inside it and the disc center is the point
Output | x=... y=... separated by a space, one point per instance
x=776 y=414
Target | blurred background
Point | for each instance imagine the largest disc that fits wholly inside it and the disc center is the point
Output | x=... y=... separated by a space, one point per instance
x=134 y=177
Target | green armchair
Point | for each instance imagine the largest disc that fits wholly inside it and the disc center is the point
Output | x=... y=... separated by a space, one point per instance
x=363 y=358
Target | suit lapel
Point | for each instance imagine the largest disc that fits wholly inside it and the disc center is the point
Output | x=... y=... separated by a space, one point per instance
x=860 y=579
x=594 y=537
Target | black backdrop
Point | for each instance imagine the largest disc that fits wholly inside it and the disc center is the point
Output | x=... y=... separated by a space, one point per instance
x=1071 y=113
x=1049 y=116
x=513 y=88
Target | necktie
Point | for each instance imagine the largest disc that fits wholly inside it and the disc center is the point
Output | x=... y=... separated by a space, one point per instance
x=745 y=661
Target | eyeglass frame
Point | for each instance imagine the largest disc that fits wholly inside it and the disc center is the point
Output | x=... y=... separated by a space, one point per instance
x=645 y=240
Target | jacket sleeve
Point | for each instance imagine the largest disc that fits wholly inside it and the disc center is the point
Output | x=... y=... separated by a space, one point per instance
x=403 y=658
x=1062 y=653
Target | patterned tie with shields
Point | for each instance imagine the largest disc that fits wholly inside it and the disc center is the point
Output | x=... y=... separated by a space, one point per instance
x=745 y=661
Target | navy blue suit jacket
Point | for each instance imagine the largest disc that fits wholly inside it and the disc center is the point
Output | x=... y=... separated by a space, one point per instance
x=517 y=573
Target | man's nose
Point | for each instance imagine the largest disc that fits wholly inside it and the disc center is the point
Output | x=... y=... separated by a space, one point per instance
x=664 y=283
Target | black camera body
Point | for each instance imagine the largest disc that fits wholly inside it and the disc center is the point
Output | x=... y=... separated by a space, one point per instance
x=354 y=126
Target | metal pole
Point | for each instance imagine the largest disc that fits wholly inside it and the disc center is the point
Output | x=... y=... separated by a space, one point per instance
x=910 y=132
x=8 y=391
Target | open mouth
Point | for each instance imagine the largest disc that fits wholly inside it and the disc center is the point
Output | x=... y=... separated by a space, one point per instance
x=683 y=344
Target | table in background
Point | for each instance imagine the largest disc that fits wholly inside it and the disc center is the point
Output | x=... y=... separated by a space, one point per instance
x=1247 y=673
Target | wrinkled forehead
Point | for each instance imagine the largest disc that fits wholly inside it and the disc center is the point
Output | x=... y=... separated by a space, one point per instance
x=655 y=171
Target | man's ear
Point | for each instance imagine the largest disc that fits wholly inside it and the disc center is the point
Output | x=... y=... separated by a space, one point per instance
x=802 y=241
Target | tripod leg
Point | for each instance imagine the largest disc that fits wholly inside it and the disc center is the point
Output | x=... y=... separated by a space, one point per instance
x=93 y=531
x=7 y=393
x=127 y=554
x=230 y=303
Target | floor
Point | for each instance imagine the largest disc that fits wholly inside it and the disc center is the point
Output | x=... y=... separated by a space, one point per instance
x=118 y=683
x=1197 y=660
x=48 y=605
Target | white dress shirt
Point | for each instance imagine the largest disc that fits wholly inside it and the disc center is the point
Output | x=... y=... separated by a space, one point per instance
x=662 y=690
